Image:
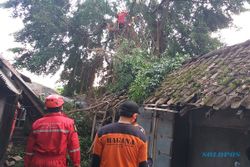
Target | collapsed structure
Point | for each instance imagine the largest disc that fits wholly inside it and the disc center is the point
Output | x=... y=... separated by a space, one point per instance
x=14 y=89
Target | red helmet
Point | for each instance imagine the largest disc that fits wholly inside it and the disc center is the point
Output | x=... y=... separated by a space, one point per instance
x=53 y=101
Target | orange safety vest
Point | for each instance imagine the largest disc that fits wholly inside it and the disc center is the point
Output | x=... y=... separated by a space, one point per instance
x=120 y=145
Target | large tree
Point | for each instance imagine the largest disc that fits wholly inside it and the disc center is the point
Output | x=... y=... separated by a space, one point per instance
x=58 y=32
x=185 y=26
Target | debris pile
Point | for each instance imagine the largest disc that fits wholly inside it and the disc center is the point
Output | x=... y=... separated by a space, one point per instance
x=13 y=160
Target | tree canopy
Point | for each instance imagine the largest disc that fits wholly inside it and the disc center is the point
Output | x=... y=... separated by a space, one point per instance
x=76 y=36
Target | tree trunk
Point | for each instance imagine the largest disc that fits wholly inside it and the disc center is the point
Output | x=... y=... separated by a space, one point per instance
x=163 y=11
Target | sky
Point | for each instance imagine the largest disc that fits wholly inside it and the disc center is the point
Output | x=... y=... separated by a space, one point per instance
x=240 y=32
x=8 y=27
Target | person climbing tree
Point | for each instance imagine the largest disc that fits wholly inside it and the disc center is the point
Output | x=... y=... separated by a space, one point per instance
x=121 y=19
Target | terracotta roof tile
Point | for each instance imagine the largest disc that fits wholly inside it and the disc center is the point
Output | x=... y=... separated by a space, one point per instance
x=221 y=78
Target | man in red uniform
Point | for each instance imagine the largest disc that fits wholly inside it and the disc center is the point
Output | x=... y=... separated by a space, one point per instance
x=52 y=137
x=121 y=144
x=121 y=19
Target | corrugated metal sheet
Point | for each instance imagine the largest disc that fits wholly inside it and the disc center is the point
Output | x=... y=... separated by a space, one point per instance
x=21 y=84
x=8 y=83
x=16 y=74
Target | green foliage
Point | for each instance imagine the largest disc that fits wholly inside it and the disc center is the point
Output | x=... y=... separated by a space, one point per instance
x=185 y=26
x=59 y=90
x=127 y=63
x=54 y=35
x=149 y=78
x=84 y=124
x=141 y=73
x=67 y=106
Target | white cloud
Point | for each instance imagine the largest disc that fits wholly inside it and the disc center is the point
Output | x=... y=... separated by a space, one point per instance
x=8 y=27
x=238 y=34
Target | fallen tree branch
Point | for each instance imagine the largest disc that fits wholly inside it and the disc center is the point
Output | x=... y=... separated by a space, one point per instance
x=87 y=109
x=99 y=50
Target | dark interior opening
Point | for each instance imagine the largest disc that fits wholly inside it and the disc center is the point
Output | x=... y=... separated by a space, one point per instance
x=180 y=143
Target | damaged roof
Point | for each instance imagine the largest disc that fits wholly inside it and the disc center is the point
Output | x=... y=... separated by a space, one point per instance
x=219 y=79
x=5 y=81
x=41 y=90
x=17 y=83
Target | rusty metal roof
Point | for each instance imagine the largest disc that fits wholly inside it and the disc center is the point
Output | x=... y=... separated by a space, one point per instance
x=7 y=83
x=9 y=73
x=219 y=79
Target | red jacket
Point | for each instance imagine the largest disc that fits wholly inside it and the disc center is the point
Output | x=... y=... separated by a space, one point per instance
x=52 y=137
x=121 y=17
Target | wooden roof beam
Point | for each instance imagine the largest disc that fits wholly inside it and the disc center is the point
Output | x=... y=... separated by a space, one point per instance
x=160 y=109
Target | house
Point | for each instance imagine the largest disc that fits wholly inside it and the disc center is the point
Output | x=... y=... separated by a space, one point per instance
x=13 y=90
x=200 y=114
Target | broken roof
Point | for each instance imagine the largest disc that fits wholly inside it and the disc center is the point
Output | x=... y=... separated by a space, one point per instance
x=16 y=83
x=5 y=81
x=41 y=90
x=219 y=80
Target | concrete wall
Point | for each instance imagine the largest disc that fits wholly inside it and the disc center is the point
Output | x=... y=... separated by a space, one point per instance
x=214 y=141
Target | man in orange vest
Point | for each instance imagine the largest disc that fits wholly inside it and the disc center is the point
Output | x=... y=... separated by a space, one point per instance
x=121 y=144
x=52 y=137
